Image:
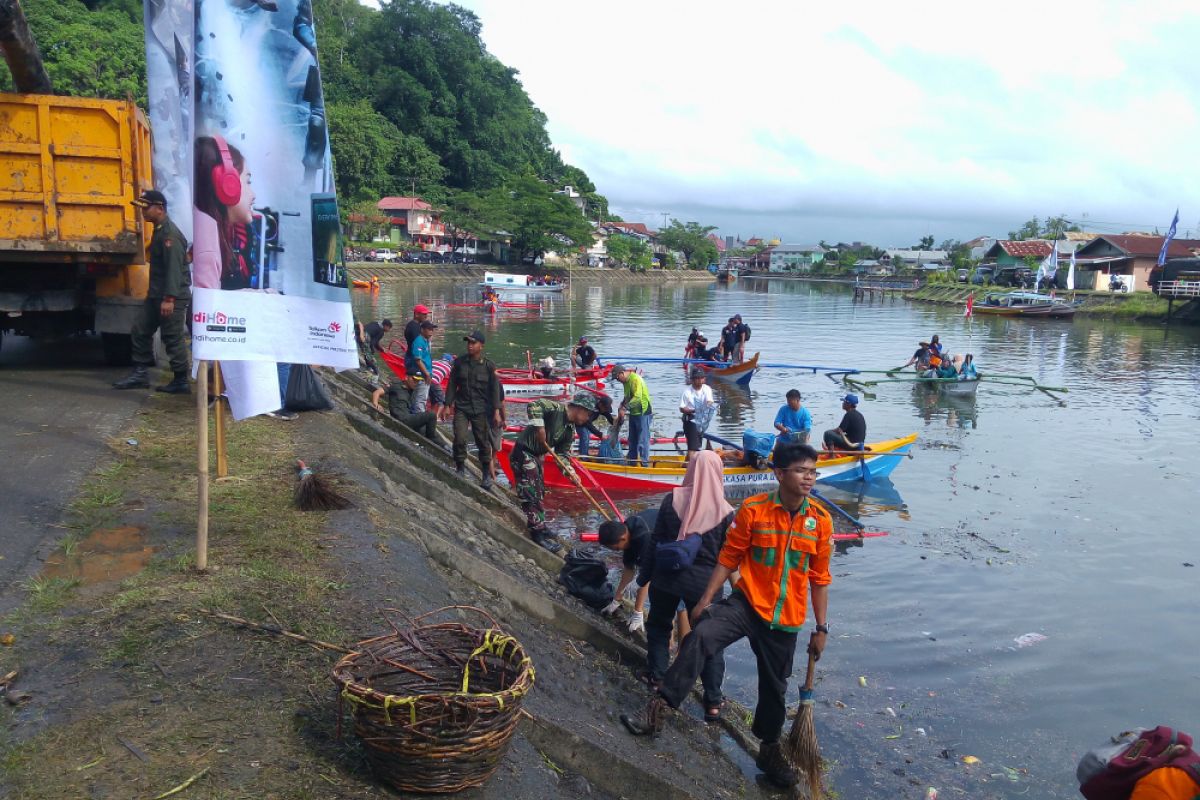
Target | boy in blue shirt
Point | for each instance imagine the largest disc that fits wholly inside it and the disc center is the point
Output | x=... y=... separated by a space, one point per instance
x=793 y=421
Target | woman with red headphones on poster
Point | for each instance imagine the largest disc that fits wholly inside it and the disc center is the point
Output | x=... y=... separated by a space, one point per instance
x=223 y=247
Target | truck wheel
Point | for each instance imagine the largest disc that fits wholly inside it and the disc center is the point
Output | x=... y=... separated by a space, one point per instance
x=118 y=349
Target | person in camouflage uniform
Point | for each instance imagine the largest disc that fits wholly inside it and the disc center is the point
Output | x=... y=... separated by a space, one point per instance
x=551 y=428
x=165 y=308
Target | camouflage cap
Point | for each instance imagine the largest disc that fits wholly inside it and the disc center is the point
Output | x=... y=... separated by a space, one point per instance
x=585 y=400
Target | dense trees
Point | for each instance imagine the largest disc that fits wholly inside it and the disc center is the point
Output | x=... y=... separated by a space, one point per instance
x=692 y=240
x=415 y=100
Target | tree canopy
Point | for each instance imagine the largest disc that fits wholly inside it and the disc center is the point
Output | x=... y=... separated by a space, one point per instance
x=692 y=240
x=414 y=98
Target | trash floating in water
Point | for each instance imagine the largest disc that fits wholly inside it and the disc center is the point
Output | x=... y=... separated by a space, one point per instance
x=7 y=639
x=891 y=712
x=970 y=760
x=921 y=732
x=931 y=793
x=1029 y=639
x=862 y=680
x=131 y=442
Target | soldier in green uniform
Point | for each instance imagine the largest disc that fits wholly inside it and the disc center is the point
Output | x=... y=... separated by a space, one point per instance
x=474 y=396
x=551 y=427
x=166 y=305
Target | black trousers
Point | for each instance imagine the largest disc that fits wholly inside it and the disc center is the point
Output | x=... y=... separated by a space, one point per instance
x=724 y=623
x=477 y=424
x=659 y=625
x=833 y=440
x=691 y=432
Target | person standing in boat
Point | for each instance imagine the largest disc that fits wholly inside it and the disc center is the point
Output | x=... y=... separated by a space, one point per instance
x=635 y=404
x=697 y=405
x=730 y=335
x=851 y=432
x=743 y=336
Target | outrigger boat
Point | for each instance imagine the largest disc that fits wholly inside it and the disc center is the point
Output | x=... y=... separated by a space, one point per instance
x=951 y=386
x=666 y=471
x=734 y=373
x=520 y=383
x=1024 y=304
x=503 y=281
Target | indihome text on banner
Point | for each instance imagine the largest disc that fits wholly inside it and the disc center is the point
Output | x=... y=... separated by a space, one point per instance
x=267 y=273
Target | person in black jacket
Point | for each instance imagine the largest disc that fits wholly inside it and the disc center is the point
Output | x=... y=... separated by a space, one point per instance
x=696 y=507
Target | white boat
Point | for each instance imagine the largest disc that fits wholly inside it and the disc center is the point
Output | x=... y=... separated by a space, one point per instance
x=506 y=282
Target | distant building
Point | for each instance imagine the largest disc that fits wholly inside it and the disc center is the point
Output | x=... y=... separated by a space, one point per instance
x=1010 y=252
x=412 y=219
x=636 y=229
x=871 y=267
x=1129 y=255
x=572 y=194
x=904 y=257
x=795 y=257
x=718 y=242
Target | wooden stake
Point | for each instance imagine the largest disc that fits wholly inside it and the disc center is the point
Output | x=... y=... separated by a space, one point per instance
x=218 y=388
x=202 y=467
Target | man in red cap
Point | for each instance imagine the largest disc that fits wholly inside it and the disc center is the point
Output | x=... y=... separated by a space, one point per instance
x=413 y=329
x=584 y=356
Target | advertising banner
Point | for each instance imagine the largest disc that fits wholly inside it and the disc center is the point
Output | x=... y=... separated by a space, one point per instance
x=266 y=245
x=169 y=78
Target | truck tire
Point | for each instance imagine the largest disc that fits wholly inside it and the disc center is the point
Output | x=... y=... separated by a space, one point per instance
x=118 y=349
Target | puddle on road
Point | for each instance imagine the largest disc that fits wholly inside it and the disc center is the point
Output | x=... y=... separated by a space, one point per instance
x=103 y=556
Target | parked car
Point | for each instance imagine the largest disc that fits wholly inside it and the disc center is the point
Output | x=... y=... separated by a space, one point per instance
x=961 y=275
x=1015 y=277
x=982 y=275
x=381 y=254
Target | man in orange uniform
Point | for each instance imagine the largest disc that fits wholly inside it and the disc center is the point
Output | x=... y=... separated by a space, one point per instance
x=780 y=543
x=1168 y=783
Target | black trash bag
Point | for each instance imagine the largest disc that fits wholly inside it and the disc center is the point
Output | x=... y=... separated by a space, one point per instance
x=586 y=576
x=305 y=392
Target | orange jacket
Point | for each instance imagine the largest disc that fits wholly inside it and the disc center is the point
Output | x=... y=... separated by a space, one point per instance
x=1166 y=783
x=779 y=555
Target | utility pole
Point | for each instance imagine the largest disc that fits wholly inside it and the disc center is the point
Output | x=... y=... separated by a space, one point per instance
x=665 y=214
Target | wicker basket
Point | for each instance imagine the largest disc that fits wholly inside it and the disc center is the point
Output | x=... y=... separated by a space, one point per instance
x=436 y=705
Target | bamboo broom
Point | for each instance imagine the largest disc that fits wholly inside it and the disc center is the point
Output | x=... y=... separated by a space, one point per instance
x=315 y=492
x=801 y=745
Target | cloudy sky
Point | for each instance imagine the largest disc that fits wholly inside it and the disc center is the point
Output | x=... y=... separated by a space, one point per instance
x=876 y=121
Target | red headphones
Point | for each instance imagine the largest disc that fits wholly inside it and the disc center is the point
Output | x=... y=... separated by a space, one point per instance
x=227 y=182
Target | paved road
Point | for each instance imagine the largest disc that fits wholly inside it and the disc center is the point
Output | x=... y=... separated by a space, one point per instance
x=56 y=411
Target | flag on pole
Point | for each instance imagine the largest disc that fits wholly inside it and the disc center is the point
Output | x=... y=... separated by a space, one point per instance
x=970 y=305
x=1162 y=254
x=1071 y=274
x=1053 y=259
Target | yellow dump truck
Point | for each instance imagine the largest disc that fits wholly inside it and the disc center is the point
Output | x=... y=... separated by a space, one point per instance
x=72 y=248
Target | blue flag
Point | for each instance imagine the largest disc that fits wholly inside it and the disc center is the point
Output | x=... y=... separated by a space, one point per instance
x=1162 y=254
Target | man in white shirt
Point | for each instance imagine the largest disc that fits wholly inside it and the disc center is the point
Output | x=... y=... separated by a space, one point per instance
x=697 y=405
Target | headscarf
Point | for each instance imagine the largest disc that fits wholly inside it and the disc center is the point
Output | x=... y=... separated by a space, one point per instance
x=700 y=501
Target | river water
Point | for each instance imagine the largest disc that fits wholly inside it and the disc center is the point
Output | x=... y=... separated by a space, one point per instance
x=1017 y=515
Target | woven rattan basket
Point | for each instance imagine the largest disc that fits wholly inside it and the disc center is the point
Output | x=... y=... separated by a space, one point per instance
x=435 y=705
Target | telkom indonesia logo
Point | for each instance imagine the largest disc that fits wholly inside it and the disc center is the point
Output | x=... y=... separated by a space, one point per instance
x=335 y=326
x=217 y=318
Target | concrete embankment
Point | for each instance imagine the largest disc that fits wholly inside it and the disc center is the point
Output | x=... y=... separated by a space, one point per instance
x=1137 y=307
x=450 y=272
x=125 y=687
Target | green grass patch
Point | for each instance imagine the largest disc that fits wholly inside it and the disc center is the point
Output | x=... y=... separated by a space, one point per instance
x=47 y=595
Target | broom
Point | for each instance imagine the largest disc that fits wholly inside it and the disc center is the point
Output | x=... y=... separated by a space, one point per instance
x=801 y=745
x=315 y=492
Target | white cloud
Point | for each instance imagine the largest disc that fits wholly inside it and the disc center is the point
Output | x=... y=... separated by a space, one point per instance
x=876 y=120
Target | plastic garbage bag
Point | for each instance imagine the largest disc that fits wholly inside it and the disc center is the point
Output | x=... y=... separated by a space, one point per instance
x=305 y=392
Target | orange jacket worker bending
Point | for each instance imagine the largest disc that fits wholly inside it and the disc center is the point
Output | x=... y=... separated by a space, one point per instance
x=780 y=543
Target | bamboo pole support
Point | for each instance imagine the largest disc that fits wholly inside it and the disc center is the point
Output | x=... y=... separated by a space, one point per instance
x=202 y=467
x=219 y=420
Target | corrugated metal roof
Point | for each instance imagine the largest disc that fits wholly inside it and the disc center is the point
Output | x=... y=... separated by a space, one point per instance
x=1136 y=245
x=1037 y=248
